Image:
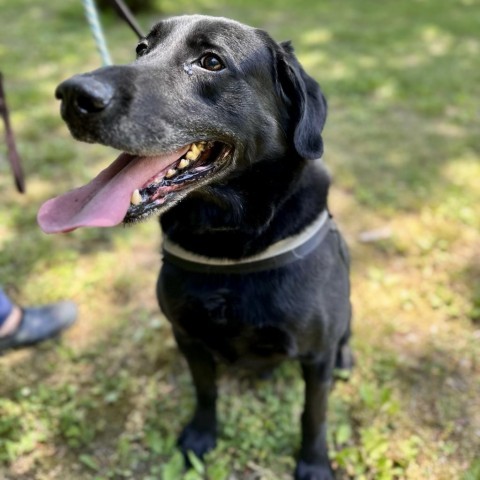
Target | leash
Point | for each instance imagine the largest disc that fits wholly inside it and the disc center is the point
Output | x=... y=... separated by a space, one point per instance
x=12 y=153
x=92 y=17
x=123 y=11
x=279 y=254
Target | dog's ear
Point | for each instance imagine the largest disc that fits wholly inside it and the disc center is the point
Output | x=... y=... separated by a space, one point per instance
x=305 y=101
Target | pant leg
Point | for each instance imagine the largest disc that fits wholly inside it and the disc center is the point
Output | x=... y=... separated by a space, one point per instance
x=6 y=306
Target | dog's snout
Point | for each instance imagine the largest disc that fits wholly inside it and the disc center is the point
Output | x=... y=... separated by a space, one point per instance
x=84 y=95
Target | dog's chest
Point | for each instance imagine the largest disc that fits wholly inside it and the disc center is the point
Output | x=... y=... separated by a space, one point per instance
x=242 y=322
x=237 y=342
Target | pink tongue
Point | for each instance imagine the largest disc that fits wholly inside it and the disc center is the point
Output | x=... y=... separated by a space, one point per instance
x=105 y=200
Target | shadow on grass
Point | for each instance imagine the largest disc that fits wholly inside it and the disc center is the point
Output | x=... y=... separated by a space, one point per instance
x=439 y=390
x=121 y=411
x=101 y=406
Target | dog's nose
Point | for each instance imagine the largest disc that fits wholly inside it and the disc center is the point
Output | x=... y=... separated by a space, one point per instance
x=85 y=95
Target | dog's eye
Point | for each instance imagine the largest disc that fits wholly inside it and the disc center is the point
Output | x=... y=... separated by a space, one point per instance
x=141 y=48
x=211 y=62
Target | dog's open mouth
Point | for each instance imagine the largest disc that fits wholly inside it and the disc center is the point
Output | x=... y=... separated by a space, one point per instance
x=201 y=160
x=134 y=187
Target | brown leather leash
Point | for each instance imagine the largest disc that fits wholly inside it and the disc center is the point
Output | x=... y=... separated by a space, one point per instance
x=125 y=13
x=12 y=153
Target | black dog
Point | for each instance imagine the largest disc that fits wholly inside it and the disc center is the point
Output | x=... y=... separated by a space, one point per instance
x=222 y=132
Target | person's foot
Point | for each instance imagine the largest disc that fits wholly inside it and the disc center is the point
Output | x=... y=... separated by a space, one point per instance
x=40 y=323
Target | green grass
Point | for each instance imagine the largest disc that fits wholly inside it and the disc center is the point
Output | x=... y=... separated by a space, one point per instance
x=107 y=401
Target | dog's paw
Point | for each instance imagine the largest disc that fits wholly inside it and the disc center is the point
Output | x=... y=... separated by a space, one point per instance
x=308 y=471
x=197 y=441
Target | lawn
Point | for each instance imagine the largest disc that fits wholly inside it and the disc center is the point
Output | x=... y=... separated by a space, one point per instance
x=403 y=146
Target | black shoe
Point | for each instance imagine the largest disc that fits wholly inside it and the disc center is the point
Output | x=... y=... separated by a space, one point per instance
x=41 y=323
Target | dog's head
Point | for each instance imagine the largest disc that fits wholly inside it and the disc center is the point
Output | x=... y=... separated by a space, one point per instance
x=205 y=96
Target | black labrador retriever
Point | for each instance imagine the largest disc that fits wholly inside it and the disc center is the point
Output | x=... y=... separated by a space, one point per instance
x=221 y=129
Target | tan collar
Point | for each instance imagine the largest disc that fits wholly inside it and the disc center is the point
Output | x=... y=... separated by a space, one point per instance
x=278 y=254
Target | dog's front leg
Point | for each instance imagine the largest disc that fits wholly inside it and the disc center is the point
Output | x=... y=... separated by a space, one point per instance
x=313 y=462
x=200 y=435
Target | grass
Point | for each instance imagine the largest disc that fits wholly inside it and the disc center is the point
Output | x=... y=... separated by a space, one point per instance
x=107 y=401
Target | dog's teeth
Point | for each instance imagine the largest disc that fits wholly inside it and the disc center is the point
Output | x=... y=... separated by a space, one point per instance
x=194 y=148
x=170 y=173
x=184 y=163
x=136 y=198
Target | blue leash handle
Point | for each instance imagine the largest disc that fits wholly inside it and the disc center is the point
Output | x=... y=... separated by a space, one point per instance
x=94 y=22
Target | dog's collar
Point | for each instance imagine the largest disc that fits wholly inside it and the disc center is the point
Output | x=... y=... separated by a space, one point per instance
x=276 y=255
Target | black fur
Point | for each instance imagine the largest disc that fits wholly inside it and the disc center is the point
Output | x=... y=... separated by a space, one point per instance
x=266 y=106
